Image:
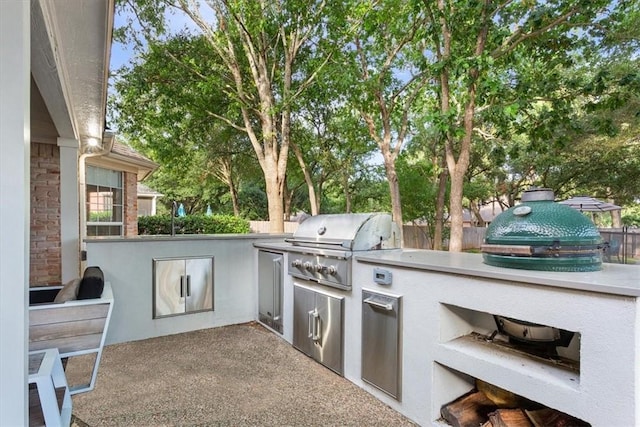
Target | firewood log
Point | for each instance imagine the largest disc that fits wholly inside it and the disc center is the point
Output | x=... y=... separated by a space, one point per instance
x=470 y=410
x=509 y=418
x=548 y=417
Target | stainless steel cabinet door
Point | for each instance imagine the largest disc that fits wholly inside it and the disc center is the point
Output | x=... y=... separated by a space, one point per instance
x=182 y=286
x=381 y=342
x=303 y=312
x=270 y=288
x=199 y=284
x=327 y=345
x=169 y=287
x=317 y=326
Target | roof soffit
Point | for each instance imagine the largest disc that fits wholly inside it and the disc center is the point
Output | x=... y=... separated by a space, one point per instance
x=71 y=43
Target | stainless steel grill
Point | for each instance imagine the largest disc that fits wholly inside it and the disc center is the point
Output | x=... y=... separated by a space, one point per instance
x=322 y=247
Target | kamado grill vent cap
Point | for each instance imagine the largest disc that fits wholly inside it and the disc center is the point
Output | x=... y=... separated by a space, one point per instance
x=540 y=234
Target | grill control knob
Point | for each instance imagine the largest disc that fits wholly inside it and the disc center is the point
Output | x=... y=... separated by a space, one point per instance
x=320 y=268
x=296 y=263
x=308 y=266
x=332 y=270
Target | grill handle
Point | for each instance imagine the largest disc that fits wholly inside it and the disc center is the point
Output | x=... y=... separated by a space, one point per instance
x=346 y=244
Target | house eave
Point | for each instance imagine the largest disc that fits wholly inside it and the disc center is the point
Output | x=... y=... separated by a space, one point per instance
x=71 y=49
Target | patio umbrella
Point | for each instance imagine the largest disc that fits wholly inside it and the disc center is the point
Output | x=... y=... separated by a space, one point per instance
x=181 y=211
x=589 y=204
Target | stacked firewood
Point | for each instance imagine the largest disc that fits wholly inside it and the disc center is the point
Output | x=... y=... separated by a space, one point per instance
x=491 y=406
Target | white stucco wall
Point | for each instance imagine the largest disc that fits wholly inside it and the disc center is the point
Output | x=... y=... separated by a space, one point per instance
x=440 y=307
x=14 y=209
x=442 y=302
x=127 y=264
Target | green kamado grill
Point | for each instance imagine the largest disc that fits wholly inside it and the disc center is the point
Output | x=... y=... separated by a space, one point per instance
x=540 y=234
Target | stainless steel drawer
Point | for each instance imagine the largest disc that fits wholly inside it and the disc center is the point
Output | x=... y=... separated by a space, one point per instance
x=381 y=331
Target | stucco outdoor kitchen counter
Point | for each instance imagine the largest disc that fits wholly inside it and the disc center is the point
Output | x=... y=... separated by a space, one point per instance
x=612 y=279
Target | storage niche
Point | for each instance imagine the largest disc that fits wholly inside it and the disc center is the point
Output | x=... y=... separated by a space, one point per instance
x=461 y=399
x=517 y=338
x=478 y=345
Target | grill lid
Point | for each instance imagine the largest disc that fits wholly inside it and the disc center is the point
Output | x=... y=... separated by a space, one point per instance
x=539 y=234
x=356 y=232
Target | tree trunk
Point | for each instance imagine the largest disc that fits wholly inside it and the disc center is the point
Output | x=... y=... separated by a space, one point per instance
x=222 y=169
x=455 y=207
x=475 y=208
x=275 y=199
x=616 y=219
x=347 y=192
x=439 y=225
x=394 y=191
x=234 y=198
x=313 y=201
x=458 y=167
x=320 y=191
x=288 y=196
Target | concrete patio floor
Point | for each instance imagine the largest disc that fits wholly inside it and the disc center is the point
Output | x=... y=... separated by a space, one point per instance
x=240 y=375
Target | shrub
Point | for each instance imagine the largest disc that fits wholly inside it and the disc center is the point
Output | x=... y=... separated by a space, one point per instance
x=193 y=224
x=631 y=215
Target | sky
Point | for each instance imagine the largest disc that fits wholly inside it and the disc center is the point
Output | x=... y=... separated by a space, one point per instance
x=124 y=54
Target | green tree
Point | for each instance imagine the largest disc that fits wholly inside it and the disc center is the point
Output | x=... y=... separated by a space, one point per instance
x=377 y=71
x=258 y=43
x=586 y=145
x=165 y=108
x=471 y=51
x=331 y=143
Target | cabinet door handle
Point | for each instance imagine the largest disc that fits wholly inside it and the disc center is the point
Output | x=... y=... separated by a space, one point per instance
x=372 y=302
x=311 y=324
x=277 y=296
x=188 y=285
x=314 y=325
x=181 y=286
x=317 y=324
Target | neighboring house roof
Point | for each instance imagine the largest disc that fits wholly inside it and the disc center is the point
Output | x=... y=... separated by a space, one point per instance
x=488 y=212
x=145 y=191
x=126 y=151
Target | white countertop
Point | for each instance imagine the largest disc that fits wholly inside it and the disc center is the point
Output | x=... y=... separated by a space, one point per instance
x=614 y=279
x=182 y=237
x=274 y=246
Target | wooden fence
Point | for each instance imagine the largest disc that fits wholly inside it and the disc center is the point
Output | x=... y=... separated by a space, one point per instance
x=263 y=226
x=415 y=236
x=624 y=245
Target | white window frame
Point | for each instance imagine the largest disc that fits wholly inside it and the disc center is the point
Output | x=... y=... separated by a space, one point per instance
x=108 y=189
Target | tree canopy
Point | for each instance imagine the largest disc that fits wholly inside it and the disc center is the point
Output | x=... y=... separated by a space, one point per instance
x=319 y=106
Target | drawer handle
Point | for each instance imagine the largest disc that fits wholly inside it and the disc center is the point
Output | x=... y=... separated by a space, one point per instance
x=383 y=306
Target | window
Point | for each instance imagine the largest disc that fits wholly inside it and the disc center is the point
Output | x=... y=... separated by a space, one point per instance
x=104 y=202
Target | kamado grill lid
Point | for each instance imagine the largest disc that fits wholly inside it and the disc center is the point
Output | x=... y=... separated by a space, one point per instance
x=540 y=234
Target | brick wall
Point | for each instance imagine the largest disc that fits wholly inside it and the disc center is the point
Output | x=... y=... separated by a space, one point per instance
x=45 y=250
x=130 y=204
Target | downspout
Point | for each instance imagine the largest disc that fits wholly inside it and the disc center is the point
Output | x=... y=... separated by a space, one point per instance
x=108 y=140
